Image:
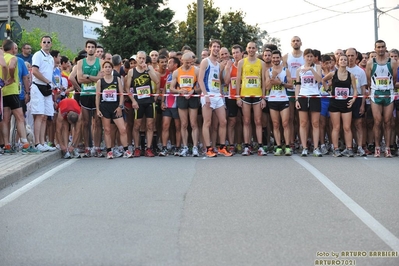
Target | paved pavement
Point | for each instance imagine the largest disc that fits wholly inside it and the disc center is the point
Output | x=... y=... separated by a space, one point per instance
x=15 y=167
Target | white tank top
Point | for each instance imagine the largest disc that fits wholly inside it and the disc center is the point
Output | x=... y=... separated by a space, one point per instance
x=278 y=93
x=293 y=63
x=309 y=85
x=211 y=78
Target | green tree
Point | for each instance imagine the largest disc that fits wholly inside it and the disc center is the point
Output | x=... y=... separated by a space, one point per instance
x=33 y=38
x=75 y=7
x=137 y=25
x=230 y=28
x=187 y=30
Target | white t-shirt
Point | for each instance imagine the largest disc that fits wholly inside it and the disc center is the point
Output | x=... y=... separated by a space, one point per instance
x=45 y=63
x=360 y=75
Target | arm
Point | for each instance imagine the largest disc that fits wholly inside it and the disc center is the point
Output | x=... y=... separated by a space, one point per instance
x=201 y=83
x=98 y=96
x=289 y=79
x=285 y=58
x=326 y=79
x=128 y=84
x=227 y=72
x=173 y=83
x=153 y=74
x=238 y=85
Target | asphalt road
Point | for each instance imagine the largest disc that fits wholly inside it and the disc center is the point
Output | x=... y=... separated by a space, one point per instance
x=200 y=211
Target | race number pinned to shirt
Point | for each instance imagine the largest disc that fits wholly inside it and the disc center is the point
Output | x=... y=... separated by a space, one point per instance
x=252 y=82
x=307 y=79
x=233 y=82
x=186 y=81
x=277 y=88
x=382 y=83
x=109 y=95
x=216 y=83
x=341 y=93
x=143 y=92
x=88 y=87
x=167 y=87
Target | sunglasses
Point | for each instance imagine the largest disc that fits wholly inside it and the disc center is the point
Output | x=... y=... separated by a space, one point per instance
x=46 y=42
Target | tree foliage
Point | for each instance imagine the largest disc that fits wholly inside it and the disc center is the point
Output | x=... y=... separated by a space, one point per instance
x=33 y=38
x=136 y=25
x=187 y=30
x=75 y=7
x=230 y=28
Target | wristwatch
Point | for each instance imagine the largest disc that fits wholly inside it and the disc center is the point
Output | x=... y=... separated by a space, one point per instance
x=121 y=106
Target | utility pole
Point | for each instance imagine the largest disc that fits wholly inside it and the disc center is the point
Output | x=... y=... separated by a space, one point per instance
x=375 y=21
x=200 y=27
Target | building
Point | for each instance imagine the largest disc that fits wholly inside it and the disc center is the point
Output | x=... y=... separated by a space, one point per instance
x=72 y=31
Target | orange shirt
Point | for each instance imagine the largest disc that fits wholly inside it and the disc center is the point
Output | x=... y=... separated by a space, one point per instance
x=233 y=82
x=186 y=79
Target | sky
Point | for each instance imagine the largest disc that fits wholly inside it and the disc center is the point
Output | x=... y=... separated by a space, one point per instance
x=322 y=25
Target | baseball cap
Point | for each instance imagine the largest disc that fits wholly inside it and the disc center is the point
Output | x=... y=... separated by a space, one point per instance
x=133 y=57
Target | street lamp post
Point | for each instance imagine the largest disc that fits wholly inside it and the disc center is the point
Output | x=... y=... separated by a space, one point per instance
x=377 y=17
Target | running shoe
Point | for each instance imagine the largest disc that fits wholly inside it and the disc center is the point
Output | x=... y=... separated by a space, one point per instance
x=323 y=149
x=137 y=152
x=29 y=149
x=337 y=153
x=87 y=153
x=163 y=153
x=245 y=152
x=184 y=152
x=210 y=153
x=224 y=152
x=347 y=153
x=76 y=154
x=149 y=153
x=49 y=148
x=110 y=155
x=195 y=151
x=388 y=153
x=127 y=154
x=317 y=153
x=232 y=149
x=288 y=152
x=99 y=153
x=304 y=152
x=361 y=152
x=261 y=151
x=116 y=152
x=41 y=148
x=278 y=152
x=239 y=148
x=367 y=151
x=377 y=152
x=67 y=155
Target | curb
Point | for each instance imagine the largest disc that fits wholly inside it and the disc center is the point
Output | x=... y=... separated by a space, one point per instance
x=26 y=165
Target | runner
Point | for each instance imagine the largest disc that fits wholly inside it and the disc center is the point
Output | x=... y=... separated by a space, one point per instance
x=381 y=77
x=139 y=83
x=169 y=110
x=341 y=105
x=109 y=105
x=293 y=61
x=308 y=78
x=211 y=100
x=278 y=79
x=88 y=73
x=251 y=89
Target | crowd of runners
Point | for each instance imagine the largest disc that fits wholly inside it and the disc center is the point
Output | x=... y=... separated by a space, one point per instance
x=226 y=101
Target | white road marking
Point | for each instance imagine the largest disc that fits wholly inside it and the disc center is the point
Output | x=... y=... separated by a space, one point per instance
x=383 y=233
x=34 y=183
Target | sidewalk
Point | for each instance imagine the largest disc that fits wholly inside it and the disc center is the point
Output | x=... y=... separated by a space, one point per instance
x=14 y=167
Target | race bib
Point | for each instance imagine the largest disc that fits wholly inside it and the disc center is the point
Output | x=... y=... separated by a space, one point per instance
x=109 y=95
x=308 y=79
x=341 y=93
x=143 y=92
x=278 y=88
x=167 y=87
x=233 y=83
x=88 y=87
x=186 y=82
x=382 y=83
x=216 y=83
x=253 y=82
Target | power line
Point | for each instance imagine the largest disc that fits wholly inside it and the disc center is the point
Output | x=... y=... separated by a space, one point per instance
x=335 y=11
x=323 y=19
x=305 y=13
